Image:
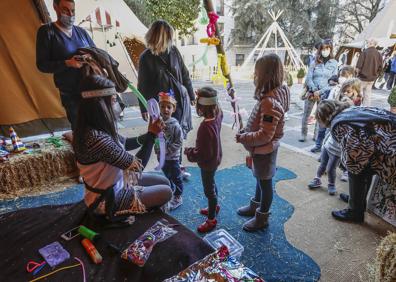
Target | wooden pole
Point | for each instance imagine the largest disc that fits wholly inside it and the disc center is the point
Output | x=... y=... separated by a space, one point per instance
x=220 y=50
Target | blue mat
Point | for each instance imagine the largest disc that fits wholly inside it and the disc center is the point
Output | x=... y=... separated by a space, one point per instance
x=71 y=195
x=266 y=252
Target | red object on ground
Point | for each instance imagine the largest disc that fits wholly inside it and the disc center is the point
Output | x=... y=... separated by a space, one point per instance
x=207 y=226
x=92 y=251
x=204 y=211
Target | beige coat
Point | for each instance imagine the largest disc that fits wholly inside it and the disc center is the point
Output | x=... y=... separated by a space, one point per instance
x=264 y=128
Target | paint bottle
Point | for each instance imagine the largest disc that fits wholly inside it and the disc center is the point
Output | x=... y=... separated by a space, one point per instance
x=92 y=251
x=88 y=233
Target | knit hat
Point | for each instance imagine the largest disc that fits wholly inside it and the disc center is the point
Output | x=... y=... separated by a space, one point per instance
x=167 y=97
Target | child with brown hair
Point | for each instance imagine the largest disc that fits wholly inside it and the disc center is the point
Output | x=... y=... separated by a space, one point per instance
x=350 y=92
x=262 y=134
x=173 y=144
x=207 y=152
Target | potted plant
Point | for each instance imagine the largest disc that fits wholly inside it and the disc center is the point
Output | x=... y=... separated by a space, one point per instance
x=288 y=78
x=392 y=100
x=300 y=75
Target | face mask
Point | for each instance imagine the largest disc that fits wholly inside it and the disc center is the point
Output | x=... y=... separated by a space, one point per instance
x=342 y=79
x=325 y=53
x=117 y=110
x=357 y=102
x=67 y=21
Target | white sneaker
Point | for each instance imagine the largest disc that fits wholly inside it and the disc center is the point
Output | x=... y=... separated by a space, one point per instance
x=185 y=175
x=176 y=202
x=344 y=177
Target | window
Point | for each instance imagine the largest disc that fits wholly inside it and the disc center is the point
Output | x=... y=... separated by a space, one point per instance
x=220 y=7
x=191 y=40
x=239 y=59
x=183 y=42
x=221 y=28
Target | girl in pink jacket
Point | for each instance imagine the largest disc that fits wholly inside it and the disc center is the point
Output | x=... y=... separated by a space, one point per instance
x=262 y=134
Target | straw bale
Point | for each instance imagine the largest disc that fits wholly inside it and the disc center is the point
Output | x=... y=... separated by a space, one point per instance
x=384 y=267
x=38 y=167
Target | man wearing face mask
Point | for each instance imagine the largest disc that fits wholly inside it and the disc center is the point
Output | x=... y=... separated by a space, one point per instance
x=56 y=47
x=368 y=68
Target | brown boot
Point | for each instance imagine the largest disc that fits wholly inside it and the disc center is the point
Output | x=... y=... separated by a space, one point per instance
x=250 y=209
x=258 y=222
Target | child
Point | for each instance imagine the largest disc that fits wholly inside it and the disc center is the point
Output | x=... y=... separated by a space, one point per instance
x=174 y=141
x=207 y=152
x=262 y=134
x=330 y=157
x=350 y=92
x=346 y=72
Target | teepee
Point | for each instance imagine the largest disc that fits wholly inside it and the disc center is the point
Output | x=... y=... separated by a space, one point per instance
x=262 y=45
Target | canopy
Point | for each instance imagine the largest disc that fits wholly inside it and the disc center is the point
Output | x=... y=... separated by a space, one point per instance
x=29 y=99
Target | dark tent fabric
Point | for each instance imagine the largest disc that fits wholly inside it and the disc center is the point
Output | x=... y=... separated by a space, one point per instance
x=23 y=232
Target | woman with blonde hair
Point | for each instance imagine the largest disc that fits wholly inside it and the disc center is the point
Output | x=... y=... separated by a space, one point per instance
x=161 y=69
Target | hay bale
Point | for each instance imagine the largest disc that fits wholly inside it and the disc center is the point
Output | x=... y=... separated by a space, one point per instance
x=384 y=269
x=39 y=167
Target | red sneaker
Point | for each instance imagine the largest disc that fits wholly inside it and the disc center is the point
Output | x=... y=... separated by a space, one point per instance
x=207 y=226
x=204 y=211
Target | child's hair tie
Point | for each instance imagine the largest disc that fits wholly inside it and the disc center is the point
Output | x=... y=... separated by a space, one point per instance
x=207 y=101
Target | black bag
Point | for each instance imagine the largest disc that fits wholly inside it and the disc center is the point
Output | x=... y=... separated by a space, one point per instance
x=178 y=88
x=183 y=110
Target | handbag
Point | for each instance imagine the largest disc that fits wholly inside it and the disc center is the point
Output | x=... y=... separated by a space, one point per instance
x=182 y=98
x=179 y=89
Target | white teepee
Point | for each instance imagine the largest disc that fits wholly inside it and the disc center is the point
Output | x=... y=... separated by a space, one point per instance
x=262 y=45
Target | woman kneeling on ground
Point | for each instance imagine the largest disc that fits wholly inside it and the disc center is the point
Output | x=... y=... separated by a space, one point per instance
x=102 y=155
x=367 y=137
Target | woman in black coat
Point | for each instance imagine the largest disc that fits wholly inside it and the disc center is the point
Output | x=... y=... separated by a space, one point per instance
x=158 y=63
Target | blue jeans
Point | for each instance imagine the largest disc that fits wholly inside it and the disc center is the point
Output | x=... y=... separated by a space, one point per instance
x=330 y=162
x=172 y=171
x=321 y=136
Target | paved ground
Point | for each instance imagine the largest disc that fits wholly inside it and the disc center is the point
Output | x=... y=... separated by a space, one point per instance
x=245 y=90
x=341 y=250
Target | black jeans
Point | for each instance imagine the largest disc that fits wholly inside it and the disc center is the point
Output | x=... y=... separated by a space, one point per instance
x=71 y=103
x=391 y=80
x=210 y=190
x=359 y=185
x=172 y=171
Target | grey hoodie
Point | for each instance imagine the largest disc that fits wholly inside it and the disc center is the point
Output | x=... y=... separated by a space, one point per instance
x=173 y=139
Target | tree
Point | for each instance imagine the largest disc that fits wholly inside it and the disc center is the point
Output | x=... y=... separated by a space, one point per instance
x=140 y=10
x=355 y=15
x=180 y=14
x=305 y=22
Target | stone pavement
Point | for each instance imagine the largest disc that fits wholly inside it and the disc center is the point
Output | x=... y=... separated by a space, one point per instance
x=342 y=250
x=245 y=90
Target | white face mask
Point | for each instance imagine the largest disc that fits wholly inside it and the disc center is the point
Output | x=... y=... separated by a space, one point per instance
x=67 y=21
x=325 y=53
x=342 y=79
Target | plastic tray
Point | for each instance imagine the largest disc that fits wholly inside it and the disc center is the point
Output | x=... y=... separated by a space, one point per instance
x=221 y=237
